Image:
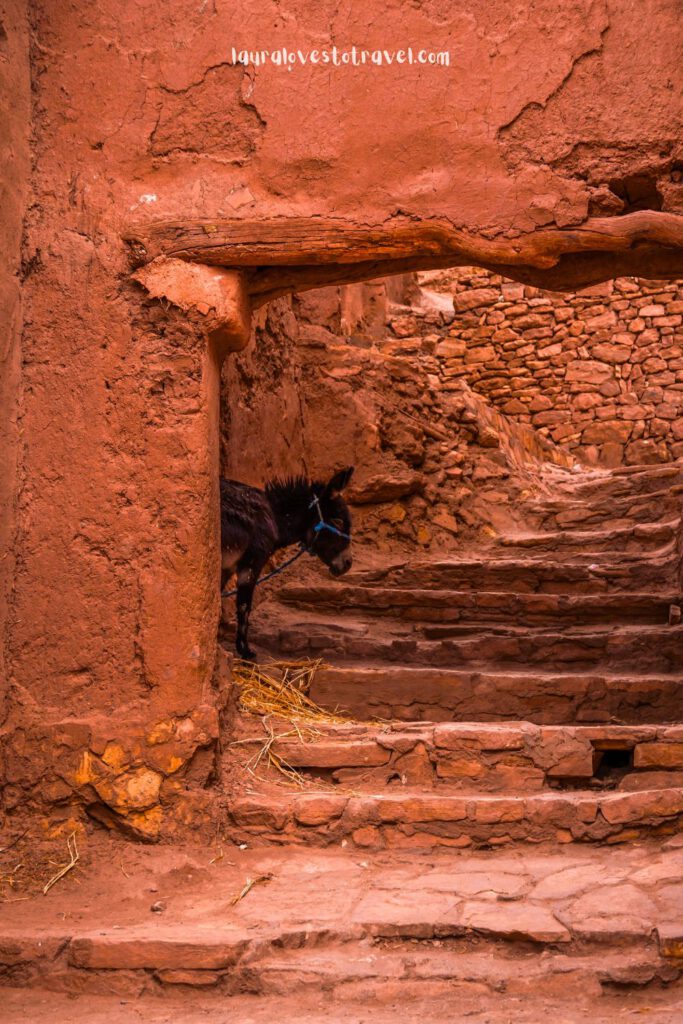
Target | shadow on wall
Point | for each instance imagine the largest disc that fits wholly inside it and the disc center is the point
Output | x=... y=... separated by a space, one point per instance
x=282 y=410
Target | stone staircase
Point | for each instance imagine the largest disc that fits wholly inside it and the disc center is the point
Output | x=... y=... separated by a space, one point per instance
x=491 y=827
x=529 y=692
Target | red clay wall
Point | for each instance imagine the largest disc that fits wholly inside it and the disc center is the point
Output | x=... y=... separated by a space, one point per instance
x=282 y=414
x=543 y=112
x=114 y=602
x=14 y=173
x=115 y=597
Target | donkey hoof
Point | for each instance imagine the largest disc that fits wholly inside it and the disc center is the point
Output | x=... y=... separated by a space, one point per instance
x=247 y=654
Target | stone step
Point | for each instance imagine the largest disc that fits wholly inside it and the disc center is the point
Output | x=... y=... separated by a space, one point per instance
x=452 y=938
x=478 y=757
x=622 y=482
x=412 y=693
x=408 y=819
x=638 y=649
x=615 y=513
x=587 y=544
x=482 y=607
x=231 y=921
x=521 y=575
x=381 y=967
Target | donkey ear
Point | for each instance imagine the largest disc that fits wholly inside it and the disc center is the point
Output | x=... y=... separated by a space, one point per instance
x=339 y=481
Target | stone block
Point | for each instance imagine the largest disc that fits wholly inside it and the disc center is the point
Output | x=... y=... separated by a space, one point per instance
x=513 y=922
x=658 y=755
x=475 y=298
x=607 y=431
x=670 y=939
x=329 y=753
x=319 y=810
x=452 y=736
x=130 y=951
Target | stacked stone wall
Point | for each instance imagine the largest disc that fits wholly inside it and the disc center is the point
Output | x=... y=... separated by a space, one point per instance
x=600 y=371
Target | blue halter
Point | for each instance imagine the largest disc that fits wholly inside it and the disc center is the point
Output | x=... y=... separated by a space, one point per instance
x=322 y=525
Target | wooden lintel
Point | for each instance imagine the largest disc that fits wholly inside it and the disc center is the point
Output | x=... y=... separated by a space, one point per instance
x=292 y=254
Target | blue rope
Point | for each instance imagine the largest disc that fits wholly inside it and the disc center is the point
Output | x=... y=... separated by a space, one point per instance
x=276 y=572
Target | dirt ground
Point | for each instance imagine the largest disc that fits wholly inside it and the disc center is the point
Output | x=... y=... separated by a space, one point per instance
x=21 y=1006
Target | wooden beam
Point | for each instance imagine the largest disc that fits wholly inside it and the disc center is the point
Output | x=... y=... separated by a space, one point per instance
x=292 y=254
x=571 y=272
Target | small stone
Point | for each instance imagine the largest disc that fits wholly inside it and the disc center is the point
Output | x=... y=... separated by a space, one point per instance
x=386 y=487
x=446 y=521
x=404 y=326
x=194 y=978
x=658 y=755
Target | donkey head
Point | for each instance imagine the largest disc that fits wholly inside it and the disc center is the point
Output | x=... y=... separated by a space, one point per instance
x=329 y=533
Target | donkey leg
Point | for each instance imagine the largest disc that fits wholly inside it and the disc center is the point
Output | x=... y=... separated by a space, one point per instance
x=247 y=575
x=225 y=579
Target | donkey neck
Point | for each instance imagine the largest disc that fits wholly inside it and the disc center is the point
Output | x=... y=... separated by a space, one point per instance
x=292 y=526
x=291 y=505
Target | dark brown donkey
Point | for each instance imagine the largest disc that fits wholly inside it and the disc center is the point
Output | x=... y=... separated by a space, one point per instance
x=256 y=523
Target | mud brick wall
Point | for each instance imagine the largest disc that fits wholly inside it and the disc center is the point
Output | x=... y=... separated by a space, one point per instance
x=15 y=167
x=600 y=371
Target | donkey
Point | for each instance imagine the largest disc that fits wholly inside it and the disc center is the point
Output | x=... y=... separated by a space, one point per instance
x=255 y=523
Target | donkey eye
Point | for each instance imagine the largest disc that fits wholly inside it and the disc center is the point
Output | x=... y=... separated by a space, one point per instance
x=338 y=523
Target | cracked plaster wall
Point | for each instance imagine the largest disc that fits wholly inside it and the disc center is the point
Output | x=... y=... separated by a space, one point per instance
x=14 y=171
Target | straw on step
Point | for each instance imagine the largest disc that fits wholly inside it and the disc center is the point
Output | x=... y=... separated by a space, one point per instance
x=281 y=688
x=250 y=883
x=74 y=857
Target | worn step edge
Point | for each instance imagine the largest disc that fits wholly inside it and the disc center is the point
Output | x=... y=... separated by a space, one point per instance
x=647 y=649
x=417 y=693
x=615 y=635
x=447 y=605
x=530 y=572
x=383 y=961
x=641 y=532
x=452 y=752
x=192 y=956
x=418 y=819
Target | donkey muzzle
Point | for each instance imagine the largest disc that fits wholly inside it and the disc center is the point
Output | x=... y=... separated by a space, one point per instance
x=341 y=564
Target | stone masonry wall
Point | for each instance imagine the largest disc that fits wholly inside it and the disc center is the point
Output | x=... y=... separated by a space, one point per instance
x=326 y=383
x=600 y=371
